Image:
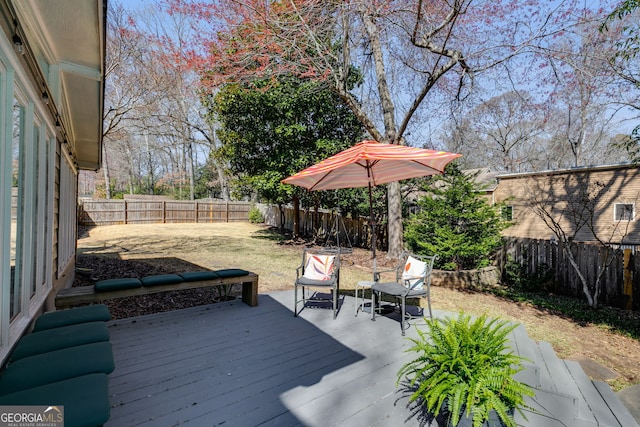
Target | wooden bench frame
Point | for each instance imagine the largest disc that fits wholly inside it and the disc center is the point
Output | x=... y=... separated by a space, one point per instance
x=87 y=294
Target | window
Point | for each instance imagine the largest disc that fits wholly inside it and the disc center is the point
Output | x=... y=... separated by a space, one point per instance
x=507 y=213
x=624 y=212
x=17 y=209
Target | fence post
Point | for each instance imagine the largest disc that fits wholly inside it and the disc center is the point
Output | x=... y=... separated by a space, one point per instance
x=627 y=289
x=125 y=211
x=196 y=213
x=164 y=212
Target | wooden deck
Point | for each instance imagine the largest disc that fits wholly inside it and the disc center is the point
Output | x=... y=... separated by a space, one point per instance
x=233 y=365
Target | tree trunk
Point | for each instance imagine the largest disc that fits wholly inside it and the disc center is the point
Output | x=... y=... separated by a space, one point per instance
x=296 y=217
x=191 y=172
x=224 y=187
x=585 y=286
x=105 y=171
x=394 y=210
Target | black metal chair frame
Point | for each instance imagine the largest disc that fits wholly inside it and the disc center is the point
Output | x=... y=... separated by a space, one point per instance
x=402 y=289
x=305 y=283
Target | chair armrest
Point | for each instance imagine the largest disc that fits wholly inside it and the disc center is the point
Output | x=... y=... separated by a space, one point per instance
x=376 y=274
x=406 y=280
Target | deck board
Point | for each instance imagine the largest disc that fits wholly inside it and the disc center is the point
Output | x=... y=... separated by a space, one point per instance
x=229 y=364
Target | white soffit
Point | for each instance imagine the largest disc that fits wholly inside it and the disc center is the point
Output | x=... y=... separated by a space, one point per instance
x=70 y=35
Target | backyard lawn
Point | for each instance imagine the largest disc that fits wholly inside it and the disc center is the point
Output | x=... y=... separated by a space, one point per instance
x=138 y=250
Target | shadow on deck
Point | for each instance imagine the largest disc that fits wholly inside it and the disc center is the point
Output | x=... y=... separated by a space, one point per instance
x=234 y=365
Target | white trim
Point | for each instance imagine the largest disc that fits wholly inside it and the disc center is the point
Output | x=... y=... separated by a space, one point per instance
x=29 y=190
x=66 y=216
x=6 y=105
x=633 y=212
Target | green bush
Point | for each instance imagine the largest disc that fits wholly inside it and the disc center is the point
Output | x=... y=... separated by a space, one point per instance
x=255 y=216
x=455 y=223
x=517 y=277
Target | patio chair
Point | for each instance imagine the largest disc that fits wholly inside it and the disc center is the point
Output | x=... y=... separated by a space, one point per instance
x=413 y=280
x=320 y=269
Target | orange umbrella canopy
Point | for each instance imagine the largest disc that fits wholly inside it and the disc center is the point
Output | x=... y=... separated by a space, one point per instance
x=371 y=163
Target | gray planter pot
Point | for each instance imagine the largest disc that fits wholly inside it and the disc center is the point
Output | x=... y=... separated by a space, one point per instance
x=493 y=421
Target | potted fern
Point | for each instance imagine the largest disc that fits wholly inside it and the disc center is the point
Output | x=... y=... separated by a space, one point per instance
x=465 y=370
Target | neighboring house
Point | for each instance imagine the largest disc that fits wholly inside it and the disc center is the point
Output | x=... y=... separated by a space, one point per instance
x=52 y=56
x=609 y=195
x=486 y=182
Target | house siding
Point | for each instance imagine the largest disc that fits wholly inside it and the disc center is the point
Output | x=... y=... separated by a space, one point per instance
x=554 y=190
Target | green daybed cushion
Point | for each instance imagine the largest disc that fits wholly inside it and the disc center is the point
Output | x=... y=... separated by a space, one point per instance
x=197 y=276
x=162 y=279
x=58 y=365
x=231 y=272
x=72 y=316
x=117 y=284
x=85 y=399
x=59 y=338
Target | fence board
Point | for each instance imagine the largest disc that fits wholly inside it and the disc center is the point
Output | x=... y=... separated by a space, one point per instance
x=107 y=212
x=322 y=225
x=535 y=254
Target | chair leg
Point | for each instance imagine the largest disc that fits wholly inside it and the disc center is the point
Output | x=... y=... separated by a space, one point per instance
x=335 y=302
x=295 y=305
x=402 y=315
x=429 y=304
x=357 y=305
x=373 y=305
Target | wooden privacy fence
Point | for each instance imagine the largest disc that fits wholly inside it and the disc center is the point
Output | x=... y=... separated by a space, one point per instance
x=106 y=212
x=326 y=224
x=619 y=286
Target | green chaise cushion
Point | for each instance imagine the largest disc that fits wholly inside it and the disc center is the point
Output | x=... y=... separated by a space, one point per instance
x=58 y=365
x=231 y=272
x=117 y=284
x=59 y=338
x=162 y=279
x=85 y=399
x=56 y=319
x=196 y=276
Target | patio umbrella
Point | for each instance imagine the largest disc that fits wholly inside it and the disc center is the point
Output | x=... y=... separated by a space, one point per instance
x=371 y=163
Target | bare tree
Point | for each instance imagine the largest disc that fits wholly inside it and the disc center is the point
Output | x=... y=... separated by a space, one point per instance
x=584 y=96
x=126 y=86
x=502 y=133
x=382 y=58
x=570 y=205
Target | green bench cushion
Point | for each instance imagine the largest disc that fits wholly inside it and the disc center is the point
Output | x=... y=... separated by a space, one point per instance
x=231 y=272
x=85 y=399
x=117 y=284
x=58 y=365
x=59 y=338
x=197 y=276
x=56 y=319
x=161 y=279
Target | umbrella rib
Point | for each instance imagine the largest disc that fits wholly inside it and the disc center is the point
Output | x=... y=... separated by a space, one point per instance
x=318 y=182
x=427 y=166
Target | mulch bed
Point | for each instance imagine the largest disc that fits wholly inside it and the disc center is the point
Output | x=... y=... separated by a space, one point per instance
x=108 y=268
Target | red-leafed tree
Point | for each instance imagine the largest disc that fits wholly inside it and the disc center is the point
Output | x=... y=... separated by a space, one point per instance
x=401 y=53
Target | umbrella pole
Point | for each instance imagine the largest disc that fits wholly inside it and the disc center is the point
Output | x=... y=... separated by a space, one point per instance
x=372 y=223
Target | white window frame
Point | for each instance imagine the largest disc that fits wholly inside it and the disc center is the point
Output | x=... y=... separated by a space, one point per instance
x=615 y=212
x=67 y=230
x=34 y=240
